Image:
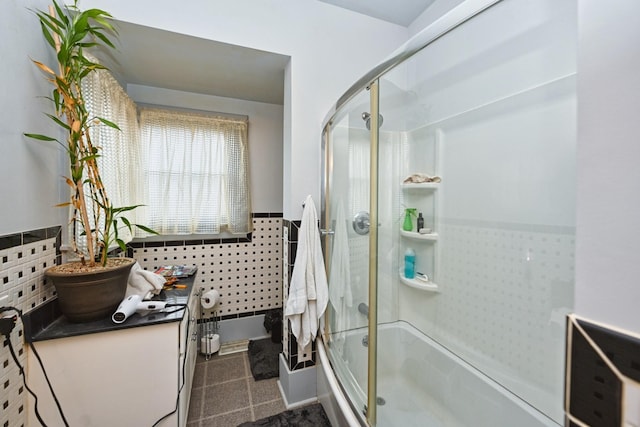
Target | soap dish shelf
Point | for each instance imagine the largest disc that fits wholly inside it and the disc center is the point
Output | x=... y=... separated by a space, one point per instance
x=419 y=284
x=418 y=236
x=428 y=186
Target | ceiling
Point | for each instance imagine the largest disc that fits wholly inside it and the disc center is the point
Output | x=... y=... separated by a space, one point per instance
x=401 y=12
x=152 y=57
x=158 y=58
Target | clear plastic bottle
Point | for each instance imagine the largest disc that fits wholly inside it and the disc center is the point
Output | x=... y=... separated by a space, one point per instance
x=409 y=264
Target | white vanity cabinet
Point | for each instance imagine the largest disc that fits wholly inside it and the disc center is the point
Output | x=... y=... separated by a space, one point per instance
x=188 y=355
x=131 y=376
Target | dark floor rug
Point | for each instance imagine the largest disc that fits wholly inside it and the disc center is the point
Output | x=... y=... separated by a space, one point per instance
x=263 y=358
x=306 y=416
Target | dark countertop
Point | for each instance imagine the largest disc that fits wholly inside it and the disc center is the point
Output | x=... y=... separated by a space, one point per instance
x=46 y=322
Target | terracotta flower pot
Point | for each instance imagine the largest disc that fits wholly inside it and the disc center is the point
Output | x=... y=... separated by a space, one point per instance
x=88 y=294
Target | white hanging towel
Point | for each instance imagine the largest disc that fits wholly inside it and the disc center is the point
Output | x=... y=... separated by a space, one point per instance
x=308 y=291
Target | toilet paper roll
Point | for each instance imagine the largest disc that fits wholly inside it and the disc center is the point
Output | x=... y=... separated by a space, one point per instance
x=209 y=344
x=209 y=299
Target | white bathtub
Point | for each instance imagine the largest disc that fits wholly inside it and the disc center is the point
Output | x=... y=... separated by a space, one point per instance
x=422 y=384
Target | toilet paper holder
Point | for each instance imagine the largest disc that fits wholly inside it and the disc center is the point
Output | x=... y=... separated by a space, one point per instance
x=208 y=327
x=209 y=337
x=209 y=299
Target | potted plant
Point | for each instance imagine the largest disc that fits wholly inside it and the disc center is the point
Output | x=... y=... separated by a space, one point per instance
x=92 y=286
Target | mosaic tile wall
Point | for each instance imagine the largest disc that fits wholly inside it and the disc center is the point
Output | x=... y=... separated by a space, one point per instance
x=246 y=271
x=23 y=259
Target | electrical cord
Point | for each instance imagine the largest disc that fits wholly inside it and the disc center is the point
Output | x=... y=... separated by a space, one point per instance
x=6 y=330
x=184 y=363
x=7 y=326
x=46 y=377
x=181 y=307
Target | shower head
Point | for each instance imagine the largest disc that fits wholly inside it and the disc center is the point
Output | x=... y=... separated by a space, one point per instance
x=367 y=120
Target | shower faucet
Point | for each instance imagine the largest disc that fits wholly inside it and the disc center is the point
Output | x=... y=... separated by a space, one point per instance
x=367 y=120
x=361 y=223
x=364 y=309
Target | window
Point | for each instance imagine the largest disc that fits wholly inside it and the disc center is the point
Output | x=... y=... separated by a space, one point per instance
x=195 y=170
x=189 y=170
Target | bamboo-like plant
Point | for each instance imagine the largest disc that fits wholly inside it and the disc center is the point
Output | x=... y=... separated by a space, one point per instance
x=69 y=31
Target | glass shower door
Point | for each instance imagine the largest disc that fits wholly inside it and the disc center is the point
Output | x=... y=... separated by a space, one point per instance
x=488 y=108
x=345 y=214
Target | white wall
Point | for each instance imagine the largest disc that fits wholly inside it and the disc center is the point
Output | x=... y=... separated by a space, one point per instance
x=608 y=218
x=265 y=136
x=330 y=48
x=29 y=170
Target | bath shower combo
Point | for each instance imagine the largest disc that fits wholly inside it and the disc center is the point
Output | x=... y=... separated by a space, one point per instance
x=481 y=107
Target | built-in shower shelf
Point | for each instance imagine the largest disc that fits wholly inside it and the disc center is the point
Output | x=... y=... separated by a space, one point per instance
x=418 y=236
x=419 y=284
x=421 y=186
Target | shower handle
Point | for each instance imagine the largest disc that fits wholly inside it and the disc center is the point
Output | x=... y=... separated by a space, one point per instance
x=361 y=222
x=324 y=232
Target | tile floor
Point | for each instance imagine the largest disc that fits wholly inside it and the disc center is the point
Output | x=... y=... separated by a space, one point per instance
x=224 y=393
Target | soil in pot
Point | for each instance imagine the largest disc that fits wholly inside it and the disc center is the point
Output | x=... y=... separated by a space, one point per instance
x=88 y=293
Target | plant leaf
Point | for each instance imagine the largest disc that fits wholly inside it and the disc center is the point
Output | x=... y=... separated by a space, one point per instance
x=122 y=245
x=108 y=123
x=58 y=121
x=126 y=222
x=61 y=14
x=44 y=67
x=147 y=229
x=125 y=208
x=104 y=39
x=47 y=35
x=40 y=137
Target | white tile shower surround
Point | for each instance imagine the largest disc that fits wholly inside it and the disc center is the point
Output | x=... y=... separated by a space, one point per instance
x=247 y=275
x=508 y=295
x=503 y=296
x=22 y=280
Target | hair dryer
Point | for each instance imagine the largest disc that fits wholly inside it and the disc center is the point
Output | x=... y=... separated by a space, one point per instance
x=133 y=304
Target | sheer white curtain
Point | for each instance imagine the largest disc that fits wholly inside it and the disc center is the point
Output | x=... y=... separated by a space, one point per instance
x=196 y=171
x=119 y=159
x=359 y=179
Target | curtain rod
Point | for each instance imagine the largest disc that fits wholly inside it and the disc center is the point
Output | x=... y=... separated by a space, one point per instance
x=194 y=110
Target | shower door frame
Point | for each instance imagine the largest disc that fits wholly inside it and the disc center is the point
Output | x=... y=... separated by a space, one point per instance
x=372 y=349
x=327 y=235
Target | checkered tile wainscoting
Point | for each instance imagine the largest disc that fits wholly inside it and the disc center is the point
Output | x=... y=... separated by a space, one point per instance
x=23 y=259
x=246 y=271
